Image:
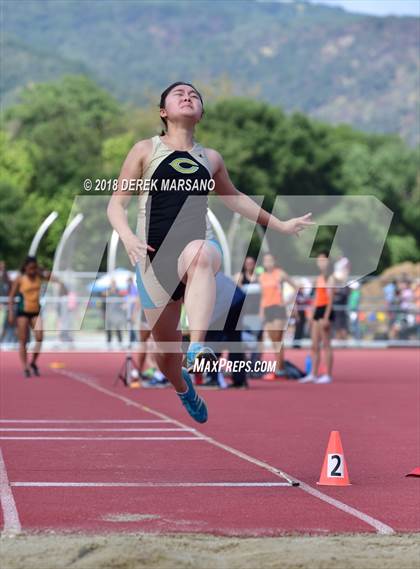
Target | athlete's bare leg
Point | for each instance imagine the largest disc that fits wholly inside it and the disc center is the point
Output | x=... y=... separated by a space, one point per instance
x=165 y=330
x=325 y=331
x=275 y=332
x=197 y=265
x=22 y=324
x=36 y=325
x=144 y=336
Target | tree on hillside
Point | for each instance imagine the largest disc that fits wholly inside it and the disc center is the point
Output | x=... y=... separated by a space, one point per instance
x=65 y=122
x=59 y=130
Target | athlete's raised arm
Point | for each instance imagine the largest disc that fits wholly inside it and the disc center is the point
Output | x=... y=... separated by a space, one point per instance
x=243 y=204
x=132 y=169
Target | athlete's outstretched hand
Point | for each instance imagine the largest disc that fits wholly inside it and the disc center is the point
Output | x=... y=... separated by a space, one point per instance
x=296 y=224
x=135 y=248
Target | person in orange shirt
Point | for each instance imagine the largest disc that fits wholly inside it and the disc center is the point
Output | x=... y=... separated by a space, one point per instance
x=323 y=315
x=272 y=309
x=417 y=301
x=27 y=287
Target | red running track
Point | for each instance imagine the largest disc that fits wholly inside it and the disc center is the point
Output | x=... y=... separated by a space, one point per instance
x=82 y=455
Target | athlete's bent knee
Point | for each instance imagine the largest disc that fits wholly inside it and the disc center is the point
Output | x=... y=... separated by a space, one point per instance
x=202 y=259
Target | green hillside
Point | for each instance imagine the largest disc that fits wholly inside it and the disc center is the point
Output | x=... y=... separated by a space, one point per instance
x=331 y=64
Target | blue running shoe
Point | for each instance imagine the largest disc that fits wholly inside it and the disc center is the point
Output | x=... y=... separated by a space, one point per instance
x=197 y=351
x=192 y=402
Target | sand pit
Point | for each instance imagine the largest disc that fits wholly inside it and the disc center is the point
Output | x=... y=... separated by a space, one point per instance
x=145 y=551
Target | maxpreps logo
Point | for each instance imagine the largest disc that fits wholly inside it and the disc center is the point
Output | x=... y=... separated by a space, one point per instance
x=177 y=164
x=228 y=366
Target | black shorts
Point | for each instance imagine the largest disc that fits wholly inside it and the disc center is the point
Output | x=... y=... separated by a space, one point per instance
x=320 y=311
x=27 y=314
x=274 y=313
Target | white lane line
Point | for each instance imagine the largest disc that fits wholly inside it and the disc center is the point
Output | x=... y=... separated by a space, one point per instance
x=11 y=525
x=100 y=438
x=150 y=484
x=379 y=526
x=87 y=421
x=98 y=430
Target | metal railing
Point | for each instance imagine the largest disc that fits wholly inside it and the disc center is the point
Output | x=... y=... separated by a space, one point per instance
x=370 y=323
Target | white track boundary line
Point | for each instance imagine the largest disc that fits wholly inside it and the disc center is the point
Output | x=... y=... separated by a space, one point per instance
x=101 y=439
x=11 y=525
x=379 y=526
x=98 y=430
x=83 y=421
x=150 y=484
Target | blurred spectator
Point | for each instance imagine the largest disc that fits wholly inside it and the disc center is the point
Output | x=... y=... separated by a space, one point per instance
x=341 y=324
x=321 y=320
x=273 y=309
x=63 y=313
x=390 y=291
x=116 y=318
x=401 y=313
x=247 y=279
x=353 y=304
x=248 y=273
x=302 y=303
x=391 y=300
x=341 y=295
x=8 y=333
x=416 y=288
x=407 y=319
x=342 y=270
x=225 y=327
x=406 y=296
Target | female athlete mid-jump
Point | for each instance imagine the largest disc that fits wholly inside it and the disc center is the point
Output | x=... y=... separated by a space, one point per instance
x=174 y=251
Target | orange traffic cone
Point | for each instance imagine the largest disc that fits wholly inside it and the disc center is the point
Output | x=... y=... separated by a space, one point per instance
x=415 y=472
x=334 y=470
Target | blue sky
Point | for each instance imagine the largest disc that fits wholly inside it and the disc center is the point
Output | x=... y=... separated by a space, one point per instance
x=377 y=7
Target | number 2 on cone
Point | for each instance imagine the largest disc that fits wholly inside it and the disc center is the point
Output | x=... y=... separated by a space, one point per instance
x=335 y=466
